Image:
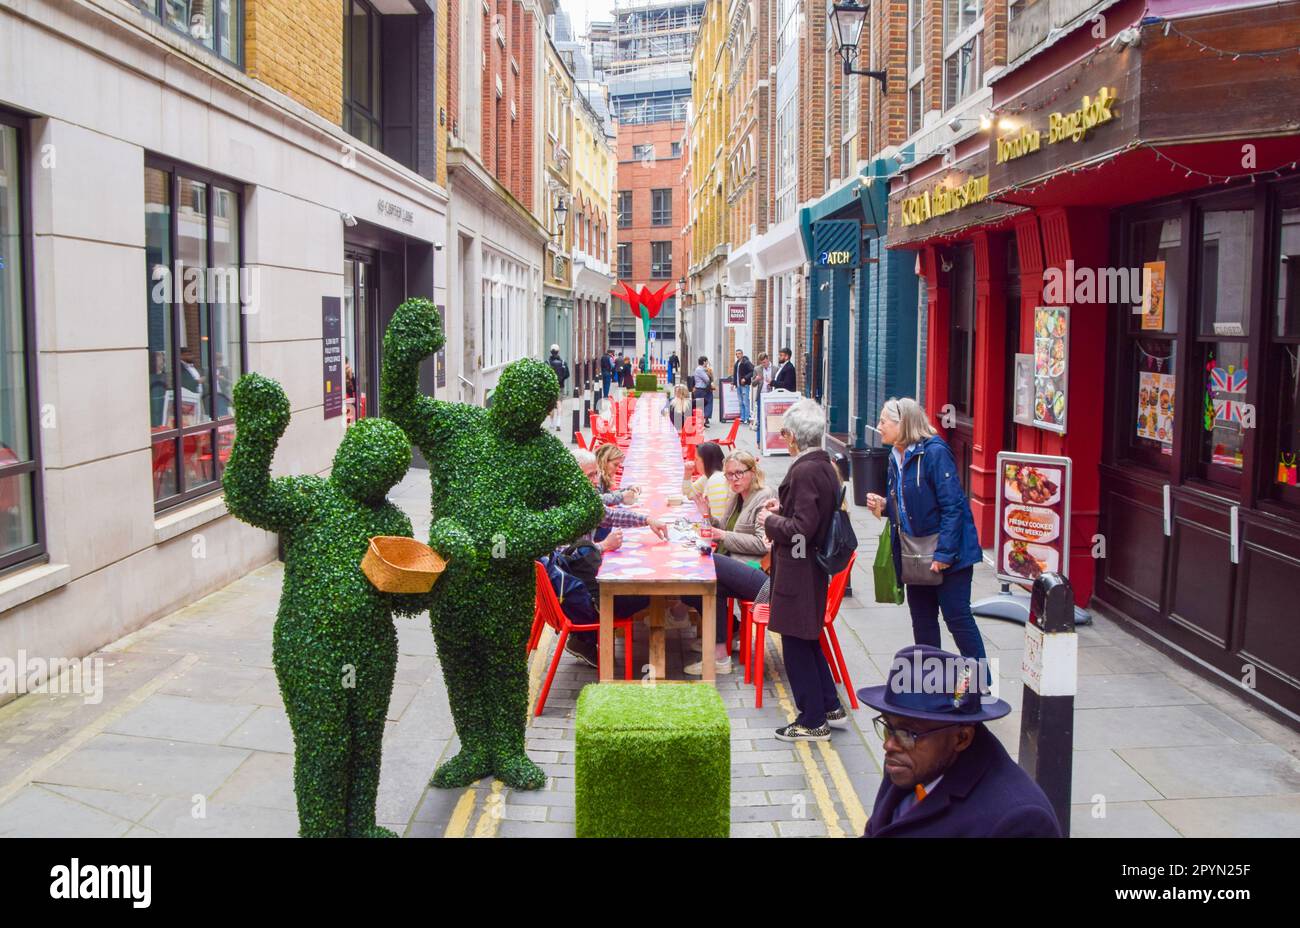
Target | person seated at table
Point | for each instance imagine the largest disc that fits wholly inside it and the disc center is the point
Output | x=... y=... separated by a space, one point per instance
x=736 y=533
x=710 y=490
x=678 y=407
x=608 y=459
x=616 y=516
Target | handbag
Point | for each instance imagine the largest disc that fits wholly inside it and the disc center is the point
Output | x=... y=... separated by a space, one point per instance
x=839 y=542
x=916 y=553
x=888 y=589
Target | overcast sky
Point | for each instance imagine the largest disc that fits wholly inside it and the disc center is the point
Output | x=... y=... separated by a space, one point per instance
x=582 y=12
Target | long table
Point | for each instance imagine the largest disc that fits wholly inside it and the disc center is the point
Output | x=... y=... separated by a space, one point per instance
x=646 y=565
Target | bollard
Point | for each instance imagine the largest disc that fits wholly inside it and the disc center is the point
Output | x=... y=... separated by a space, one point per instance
x=1050 y=671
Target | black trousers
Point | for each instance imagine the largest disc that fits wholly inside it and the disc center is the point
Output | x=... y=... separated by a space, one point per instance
x=735 y=580
x=810 y=678
x=624 y=606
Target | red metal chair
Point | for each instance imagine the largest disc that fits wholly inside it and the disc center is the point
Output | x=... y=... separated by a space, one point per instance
x=547 y=611
x=582 y=442
x=730 y=441
x=754 y=619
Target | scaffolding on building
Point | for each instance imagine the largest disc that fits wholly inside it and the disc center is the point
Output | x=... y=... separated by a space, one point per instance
x=653 y=32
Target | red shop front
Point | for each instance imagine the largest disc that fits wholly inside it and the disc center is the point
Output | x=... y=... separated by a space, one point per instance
x=1149 y=192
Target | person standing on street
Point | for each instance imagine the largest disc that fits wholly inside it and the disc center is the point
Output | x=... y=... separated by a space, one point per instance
x=704 y=388
x=784 y=378
x=673 y=363
x=742 y=373
x=762 y=383
x=562 y=375
x=606 y=372
x=794 y=523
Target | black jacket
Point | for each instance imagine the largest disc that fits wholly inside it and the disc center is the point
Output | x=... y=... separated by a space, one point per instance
x=984 y=794
x=606 y=364
x=742 y=372
x=557 y=364
x=783 y=379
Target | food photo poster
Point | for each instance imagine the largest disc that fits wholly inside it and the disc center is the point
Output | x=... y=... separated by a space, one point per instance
x=1051 y=351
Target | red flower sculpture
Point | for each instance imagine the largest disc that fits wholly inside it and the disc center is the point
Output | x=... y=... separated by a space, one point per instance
x=646 y=304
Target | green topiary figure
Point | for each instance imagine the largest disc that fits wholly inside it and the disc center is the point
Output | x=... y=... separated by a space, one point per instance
x=334 y=648
x=504 y=494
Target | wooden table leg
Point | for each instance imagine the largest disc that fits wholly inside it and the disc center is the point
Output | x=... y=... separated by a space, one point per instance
x=708 y=634
x=606 y=635
x=657 y=659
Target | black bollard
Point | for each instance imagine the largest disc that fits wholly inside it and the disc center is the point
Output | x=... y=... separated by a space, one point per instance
x=1050 y=670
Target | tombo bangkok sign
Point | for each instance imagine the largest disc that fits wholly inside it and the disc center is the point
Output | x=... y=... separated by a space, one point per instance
x=1061 y=127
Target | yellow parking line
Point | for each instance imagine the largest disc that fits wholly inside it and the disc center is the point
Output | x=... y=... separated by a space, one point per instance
x=490 y=819
x=815 y=781
x=857 y=815
x=460 y=815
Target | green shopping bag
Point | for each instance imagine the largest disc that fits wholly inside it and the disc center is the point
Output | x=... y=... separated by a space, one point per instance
x=888 y=589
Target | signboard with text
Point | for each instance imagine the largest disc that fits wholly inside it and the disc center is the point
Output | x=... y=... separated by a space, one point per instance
x=737 y=314
x=332 y=385
x=776 y=403
x=1032 y=532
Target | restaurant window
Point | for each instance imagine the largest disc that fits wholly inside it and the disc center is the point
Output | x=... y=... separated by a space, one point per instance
x=625 y=209
x=661 y=259
x=961 y=342
x=361 y=78
x=21 y=521
x=195 y=326
x=1223 y=325
x=625 y=260
x=661 y=207
x=214 y=24
x=1155 y=255
x=1284 y=461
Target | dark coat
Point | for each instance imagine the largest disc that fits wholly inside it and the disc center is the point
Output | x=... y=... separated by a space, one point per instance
x=783 y=379
x=808 y=495
x=984 y=794
x=606 y=364
x=742 y=372
x=935 y=502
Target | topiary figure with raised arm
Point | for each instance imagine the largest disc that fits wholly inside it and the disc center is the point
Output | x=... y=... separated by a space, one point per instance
x=504 y=494
x=334 y=647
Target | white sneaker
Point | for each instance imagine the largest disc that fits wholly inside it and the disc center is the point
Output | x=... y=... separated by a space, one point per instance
x=697 y=669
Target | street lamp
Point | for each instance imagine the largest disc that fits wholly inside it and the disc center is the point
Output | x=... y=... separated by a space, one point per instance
x=561 y=213
x=847 y=20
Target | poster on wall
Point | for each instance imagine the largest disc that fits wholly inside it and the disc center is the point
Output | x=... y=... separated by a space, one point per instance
x=1051 y=373
x=1023 y=386
x=1153 y=295
x=332 y=386
x=1155 y=408
x=776 y=403
x=1033 y=521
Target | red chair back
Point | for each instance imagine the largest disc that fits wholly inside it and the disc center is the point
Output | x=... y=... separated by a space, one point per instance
x=731 y=436
x=547 y=602
x=582 y=442
x=835 y=592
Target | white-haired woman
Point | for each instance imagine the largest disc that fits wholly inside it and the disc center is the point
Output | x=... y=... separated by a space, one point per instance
x=926 y=498
x=794 y=522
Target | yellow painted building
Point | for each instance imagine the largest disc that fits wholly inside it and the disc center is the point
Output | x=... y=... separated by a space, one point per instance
x=591 y=221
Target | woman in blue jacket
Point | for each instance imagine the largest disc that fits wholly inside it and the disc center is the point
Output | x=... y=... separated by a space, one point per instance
x=923 y=476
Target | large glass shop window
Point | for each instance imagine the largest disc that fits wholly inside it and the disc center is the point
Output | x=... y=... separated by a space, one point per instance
x=1156 y=252
x=1223 y=327
x=1286 y=350
x=19 y=468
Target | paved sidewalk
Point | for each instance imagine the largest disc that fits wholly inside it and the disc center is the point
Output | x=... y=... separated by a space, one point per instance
x=191 y=736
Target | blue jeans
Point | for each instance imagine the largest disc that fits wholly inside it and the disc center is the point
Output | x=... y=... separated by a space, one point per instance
x=758 y=404
x=953 y=598
x=744 y=403
x=604 y=385
x=704 y=397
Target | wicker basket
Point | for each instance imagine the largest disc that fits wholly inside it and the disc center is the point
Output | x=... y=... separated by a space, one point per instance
x=401 y=565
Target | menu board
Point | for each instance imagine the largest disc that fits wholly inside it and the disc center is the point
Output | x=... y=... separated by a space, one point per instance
x=332 y=385
x=1051 y=353
x=1155 y=408
x=776 y=404
x=730 y=401
x=1033 y=523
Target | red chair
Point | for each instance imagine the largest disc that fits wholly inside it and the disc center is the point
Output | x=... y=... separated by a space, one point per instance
x=755 y=617
x=547 y=611
x=582 y=442
x=730 y=441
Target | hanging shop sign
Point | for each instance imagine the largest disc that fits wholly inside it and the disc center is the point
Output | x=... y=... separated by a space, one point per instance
x=944 y=198
x=837 y=243
x=737 y=314
x=1051 y=374
x=1033 y=521
x=1061 y=127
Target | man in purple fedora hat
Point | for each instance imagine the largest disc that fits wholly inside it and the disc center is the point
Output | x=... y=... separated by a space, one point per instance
x=946 y=774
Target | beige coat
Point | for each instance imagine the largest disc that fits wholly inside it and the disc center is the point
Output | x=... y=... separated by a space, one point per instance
x=744 y=543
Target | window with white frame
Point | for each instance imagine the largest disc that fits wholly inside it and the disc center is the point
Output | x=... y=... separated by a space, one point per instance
x=787 y=124
x=915 y=66
x=505 y=299
x=848 y=139
x=963 y=25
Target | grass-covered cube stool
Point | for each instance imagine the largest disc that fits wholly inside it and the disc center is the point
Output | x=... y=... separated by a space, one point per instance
x=652 y=762
x=647 y=383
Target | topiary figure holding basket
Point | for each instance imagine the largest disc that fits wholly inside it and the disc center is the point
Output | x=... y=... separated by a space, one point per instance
x=334 y=647
x=504 y=494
